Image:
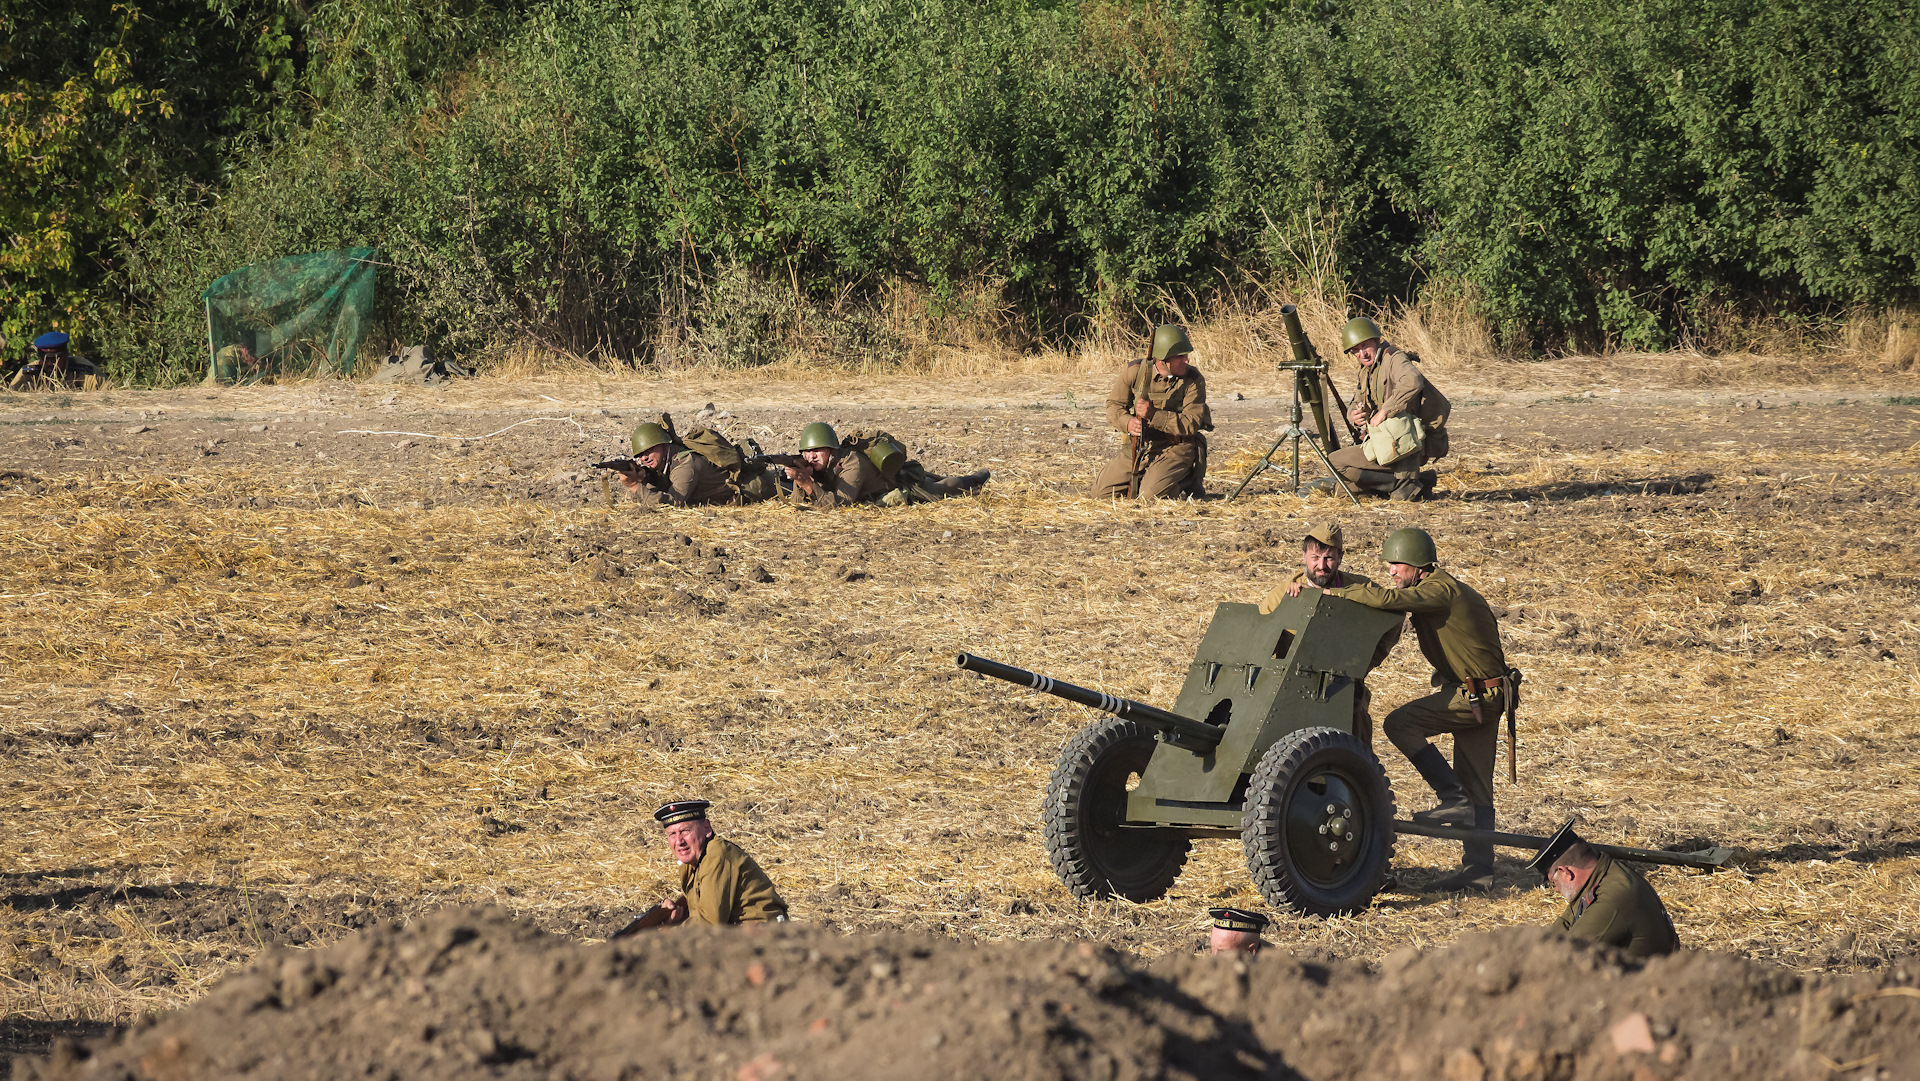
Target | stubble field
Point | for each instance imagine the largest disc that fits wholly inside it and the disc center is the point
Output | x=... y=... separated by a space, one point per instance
x=268 y=679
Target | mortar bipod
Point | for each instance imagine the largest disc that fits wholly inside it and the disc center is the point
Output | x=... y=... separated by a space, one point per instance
x=1710 y=859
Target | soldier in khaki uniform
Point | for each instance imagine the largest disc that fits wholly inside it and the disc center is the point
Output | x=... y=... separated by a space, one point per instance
x=833 y=475
x=1607 y=902
x=1390 y=386
x=666 y=473
x=1460 y=637
x=1169 y=417
x=719 y=883
x=1321 y=552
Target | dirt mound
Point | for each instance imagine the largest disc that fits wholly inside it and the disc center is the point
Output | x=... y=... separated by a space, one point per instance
x=472 y=992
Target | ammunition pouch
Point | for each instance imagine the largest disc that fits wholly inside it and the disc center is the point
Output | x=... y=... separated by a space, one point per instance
x=1394 y=438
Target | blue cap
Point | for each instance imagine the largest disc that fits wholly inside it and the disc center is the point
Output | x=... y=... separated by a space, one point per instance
x=52 y=339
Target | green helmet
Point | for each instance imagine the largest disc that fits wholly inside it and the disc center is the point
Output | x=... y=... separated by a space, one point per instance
x=1357 y=330
x=1413 y=547
x=1170 y=340
x=819 y=435
x=648 y=436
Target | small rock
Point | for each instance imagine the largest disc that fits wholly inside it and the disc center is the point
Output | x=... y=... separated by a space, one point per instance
x=354 y=581
x=1239 y=397
x=139 y=428
x=759 y=574
x=1632 y=1033
x=258 y=428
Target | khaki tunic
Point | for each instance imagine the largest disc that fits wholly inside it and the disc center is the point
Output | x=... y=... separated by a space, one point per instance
x=1175 y=460
x=849 y=478
x=1618 y=908
x=726 y=886
x=691 y=481
x=1459 y=636
x=1393 y=386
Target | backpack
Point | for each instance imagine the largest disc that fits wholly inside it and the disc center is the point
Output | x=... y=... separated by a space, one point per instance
x=715 y=448
x=885 y=452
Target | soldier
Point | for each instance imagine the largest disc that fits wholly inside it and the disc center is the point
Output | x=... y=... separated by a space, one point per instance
x=1235 y=930
x=830 y=475
x=53 y=363
x=1461 y=639
x=1391 y=387
x=1607 y=902
x=719 y=883
x=1321 y=551
x=1166 y=453
x=665 y=471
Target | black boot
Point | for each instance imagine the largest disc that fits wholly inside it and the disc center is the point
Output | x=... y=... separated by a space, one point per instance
x=1453 y=809
x=1407 y=488
x=1476 y=864
x=1428 y=478
x=967 y=483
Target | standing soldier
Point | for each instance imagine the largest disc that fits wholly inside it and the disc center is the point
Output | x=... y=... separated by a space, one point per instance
x=1461 y=639
x=1161 y=404
x=719 y=882
x=666 y=472
x=1392 y=396
x=1607 y=902
x=1321 y=552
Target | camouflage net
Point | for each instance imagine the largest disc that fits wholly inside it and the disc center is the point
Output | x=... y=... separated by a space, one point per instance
x=293 y=315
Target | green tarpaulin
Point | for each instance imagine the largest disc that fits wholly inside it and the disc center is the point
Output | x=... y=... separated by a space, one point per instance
x=293 y=315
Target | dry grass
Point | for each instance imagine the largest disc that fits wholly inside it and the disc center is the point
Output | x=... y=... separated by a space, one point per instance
x=478 y=719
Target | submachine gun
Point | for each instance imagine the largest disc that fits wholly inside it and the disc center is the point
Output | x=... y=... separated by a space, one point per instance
x=1311 y=385
x=1258 y=746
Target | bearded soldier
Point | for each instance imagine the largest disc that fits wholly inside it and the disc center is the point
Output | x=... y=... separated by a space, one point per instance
x=1459 y=636
x=1321 y=552
x=1162 y=408
x=1607 y=902
x=1404 y=417
x=666 y=472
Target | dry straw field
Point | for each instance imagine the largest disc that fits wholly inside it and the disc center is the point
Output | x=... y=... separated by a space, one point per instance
x=268 y=678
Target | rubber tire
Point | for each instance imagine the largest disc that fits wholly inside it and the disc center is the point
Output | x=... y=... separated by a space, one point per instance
x=1293 y=761
x=1080 y=820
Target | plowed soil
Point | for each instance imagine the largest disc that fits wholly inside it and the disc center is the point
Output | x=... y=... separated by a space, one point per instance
x=281 y=664
x=471 y=993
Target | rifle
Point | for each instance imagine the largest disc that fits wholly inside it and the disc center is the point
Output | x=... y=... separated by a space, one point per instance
x=624 y=465
x=1352 y=428
x=645 y=921
x=758 y=460
x=1140 y=384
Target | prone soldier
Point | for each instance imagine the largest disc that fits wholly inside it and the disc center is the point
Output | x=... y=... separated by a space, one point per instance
x=1161 y=405
x=864 y=468
x=1404 y=417
x=665 y=471
x=1608 y=902
x=1321 y=552
x=1460 y=637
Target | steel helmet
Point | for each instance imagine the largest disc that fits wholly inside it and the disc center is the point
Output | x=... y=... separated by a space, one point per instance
x=1356 y=331
x=648 y=436
x=1413 y=547
x=819 y=435
x=1170 y=340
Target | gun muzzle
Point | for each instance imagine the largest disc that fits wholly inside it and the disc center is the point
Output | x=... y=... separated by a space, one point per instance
x=1184 y=731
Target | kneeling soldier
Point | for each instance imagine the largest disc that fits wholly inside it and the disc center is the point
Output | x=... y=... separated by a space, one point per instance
x=719 y=883
x=1235 y=930
x=1161 y=404
x=1607 y=902
x=1393 y=394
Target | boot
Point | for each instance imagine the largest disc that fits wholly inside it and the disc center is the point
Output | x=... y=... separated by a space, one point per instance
x=1428 y=478
x=968 y=482
x=1407 y=488
x=1476 y=864
x=1324 y=484
x=1454 y=809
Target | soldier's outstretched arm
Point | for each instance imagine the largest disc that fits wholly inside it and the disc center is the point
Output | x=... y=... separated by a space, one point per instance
x=1428 y=596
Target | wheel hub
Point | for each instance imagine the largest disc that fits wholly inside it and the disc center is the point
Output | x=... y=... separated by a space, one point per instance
x=1325 y=835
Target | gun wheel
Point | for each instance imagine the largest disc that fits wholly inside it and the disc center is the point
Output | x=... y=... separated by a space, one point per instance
x=1318 y=823
x=1087 y=802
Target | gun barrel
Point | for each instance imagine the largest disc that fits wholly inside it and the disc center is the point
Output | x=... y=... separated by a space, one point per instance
x=1186 y=729
x=1297 y=337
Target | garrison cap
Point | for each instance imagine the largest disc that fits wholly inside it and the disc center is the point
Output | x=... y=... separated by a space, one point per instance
x=1328 y=534
x=52 y=339
x=682 y=810
x=1238 y=919
x=1557 y=846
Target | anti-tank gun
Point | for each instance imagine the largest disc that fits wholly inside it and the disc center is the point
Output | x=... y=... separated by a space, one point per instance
x=1259 y=745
